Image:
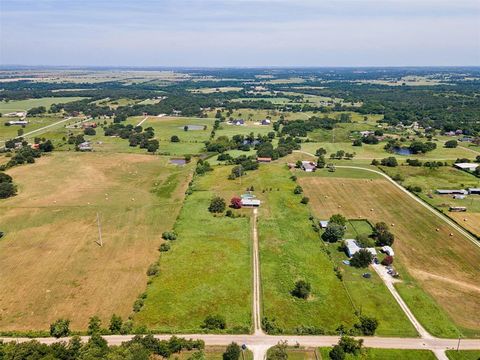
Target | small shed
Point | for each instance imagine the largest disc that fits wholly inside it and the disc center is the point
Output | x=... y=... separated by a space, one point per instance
x=323 y=224
x=308 y=166
x=250 y=202
x=388 y=250
x=466 y=166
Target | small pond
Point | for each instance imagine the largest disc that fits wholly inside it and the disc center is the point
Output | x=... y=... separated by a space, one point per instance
x=402 y=151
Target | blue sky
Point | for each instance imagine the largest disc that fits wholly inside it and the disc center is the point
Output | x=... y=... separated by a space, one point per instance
x=240 y=32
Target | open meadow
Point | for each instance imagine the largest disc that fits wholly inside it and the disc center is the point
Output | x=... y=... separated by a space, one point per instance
x=427 y=256
x=208 y=269
x=23 y=105
x=52 y=265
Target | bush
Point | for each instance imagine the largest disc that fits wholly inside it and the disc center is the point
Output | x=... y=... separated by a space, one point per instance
x=214 y=322
x=89 y=131
x=278 y=352
x=270 y=326
x=367 y=325
x=60 y=328
x=357 y=142
x=298 y=190
x=7 y=189
x=116 y=323
x=337 y=219
x=94 y=325
x=390 y=162
x=305 y=200
x=217 y=205
x=232 y=352
x=337 y=353
x=301 y=289
x=361 y=259
x=164 y=247
x=375 y=162
x=153 y=269
x=236 y=203
x=174 y=139
x=387 y=261
x=349 y=345
x=169 y=235
x=365 y=241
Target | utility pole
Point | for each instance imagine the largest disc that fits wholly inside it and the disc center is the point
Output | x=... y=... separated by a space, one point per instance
x=100 y=240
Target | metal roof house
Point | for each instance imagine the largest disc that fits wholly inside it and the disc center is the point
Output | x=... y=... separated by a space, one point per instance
x=251 y=202
x=466 y=166
x=452 y=192
x=308 y=166
x=352 y=248
x=85 y=146
x=388 y=250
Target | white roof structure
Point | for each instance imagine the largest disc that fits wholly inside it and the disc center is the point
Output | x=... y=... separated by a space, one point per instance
x=323 y=223
x=466 y=166
x=388 y=250
x=251 y=202
x=352 y=247
x=308 y=166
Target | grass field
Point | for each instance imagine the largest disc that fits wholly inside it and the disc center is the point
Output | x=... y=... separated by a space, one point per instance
x=34 y=123
x=212 y=353
x=51 y=265
x=208 y=269
x=291 y=250
x=19 y=105
x=385 y=354
x=434 y=260
x=463 y=354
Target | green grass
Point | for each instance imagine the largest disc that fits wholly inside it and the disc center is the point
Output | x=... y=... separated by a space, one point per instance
x=212 y=353
x=207 y=271
x=34 y=123
x=341 y=173
x=463 y=354
x=19 y=105
x=385 y=354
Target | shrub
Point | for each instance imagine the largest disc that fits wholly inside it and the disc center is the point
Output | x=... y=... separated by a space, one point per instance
x=116 y=323
x=305 y=200
x=338 y=219
x=169 y=235
x=217 y=205
x=60 y=328
x=367 y=325
x=349 y=345
x=89 y=131
x=298 y=190
x=387 y=261
x=94 y=325
x=301 y=289
x=164 y=247
x=390 y=162
x=153 y=269
x=214 y=322
x=7 y=189
x=270 y=326
x=174 y=139
x=278 y=352
x=365 y=241
x=375 y=162
x=236 y=203
x=361 y=259
x=357 y=142
x=337 y=353
x=232 y=352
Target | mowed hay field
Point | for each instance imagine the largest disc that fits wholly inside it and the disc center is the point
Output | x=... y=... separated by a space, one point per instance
x=50 y=264
x=445 y=266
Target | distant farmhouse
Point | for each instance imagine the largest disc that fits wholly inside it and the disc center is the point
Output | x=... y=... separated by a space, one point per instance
x=16 y=122
x=466 y=166
x=308 y=166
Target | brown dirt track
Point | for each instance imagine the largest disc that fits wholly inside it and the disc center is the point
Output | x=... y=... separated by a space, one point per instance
x=452 y=261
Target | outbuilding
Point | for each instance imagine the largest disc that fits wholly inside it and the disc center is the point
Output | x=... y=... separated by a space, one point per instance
x=388 y=250
x=466 y=166
x=308 y=166
x=323 y=224
x=474 y=191
x=250 y=202
x=452 y=192
x=264 y=159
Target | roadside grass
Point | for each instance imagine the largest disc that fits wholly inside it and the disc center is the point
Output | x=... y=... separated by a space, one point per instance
x=212 y=353
x=385 y=354
x=51 y=265
x=463 y=354
x=19 y=105
x=208 y=269
x=433 y=258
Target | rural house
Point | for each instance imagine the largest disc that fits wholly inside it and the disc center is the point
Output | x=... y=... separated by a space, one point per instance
x=308 y=166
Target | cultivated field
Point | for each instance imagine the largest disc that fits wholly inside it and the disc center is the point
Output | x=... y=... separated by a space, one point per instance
x=445 y=266
x=51 y=265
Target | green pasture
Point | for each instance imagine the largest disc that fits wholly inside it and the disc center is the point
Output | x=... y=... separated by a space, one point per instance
x=384 y=354
x=19 y=105
x=463 y=354
x=34 y=123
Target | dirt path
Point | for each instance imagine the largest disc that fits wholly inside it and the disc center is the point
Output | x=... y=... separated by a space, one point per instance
x=427 y=275
x=257 y=312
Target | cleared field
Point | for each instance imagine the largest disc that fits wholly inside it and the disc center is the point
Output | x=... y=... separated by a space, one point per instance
x=463 y=354
x=435 y=260
x=208 y=269
x=19 y=105
x=50 y=263
x=249 y=127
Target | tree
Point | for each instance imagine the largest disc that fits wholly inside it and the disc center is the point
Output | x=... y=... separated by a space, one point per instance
x=337 y=353
x=301 y=289
x=367 y=325
x=174 y=139
x=382 y=234
x=152 y=145
x=116 y=323
x=321 y=162
x=46 y=146
x=333 y=233
x=320 y=152
x=451 y=144
x=357 y=142
x=94 y=325
x=350 y=345
x=232 y=352
x=60 y=328
x=7 y=189
x=217 y=205
x=390 y=161
x=375 y=162
x=361 y=259
x=305 y=200
x=387 y=261
x=169 y=235
x=338 y=219
x=278 y=352
x=236 y=203
x=298 y=190
x=364 y=241
x=214 y=322
x=89 y=131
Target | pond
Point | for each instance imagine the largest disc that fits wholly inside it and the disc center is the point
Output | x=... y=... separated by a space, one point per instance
x=402 y=151
x=192 y=127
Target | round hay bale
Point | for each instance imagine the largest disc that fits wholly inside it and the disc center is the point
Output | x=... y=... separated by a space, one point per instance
x=451 y=234
x=437 y=229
